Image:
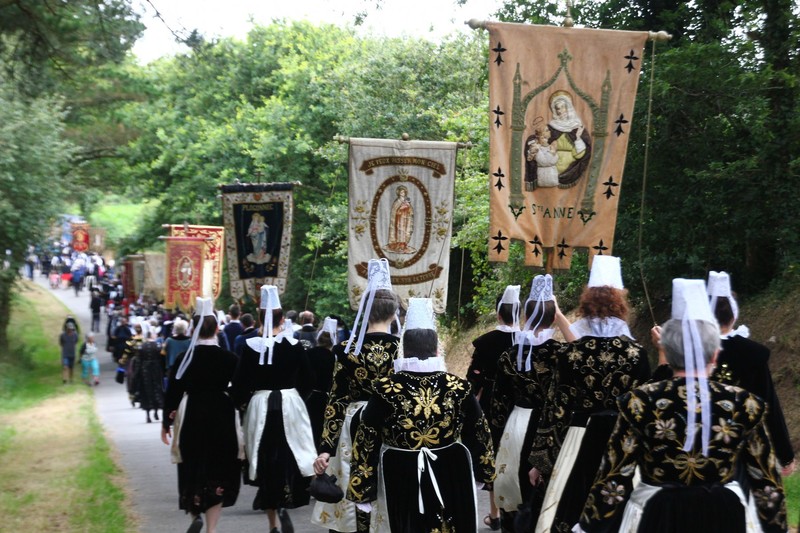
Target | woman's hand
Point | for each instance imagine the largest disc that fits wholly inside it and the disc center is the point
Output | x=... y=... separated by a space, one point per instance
x=166 y=435
x=321 y=463
x=535 y=477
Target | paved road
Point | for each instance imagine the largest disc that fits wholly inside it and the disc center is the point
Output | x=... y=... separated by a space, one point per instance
x=151 y=478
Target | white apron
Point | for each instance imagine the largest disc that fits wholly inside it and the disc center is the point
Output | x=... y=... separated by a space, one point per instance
x=296 y=425
x=507 y=492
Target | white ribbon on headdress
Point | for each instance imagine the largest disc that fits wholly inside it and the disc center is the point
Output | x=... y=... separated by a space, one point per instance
x=695 y=367
x=187 y=358
x=528 y=335
x=267 y=339
x=425 y=457
x=369 y=297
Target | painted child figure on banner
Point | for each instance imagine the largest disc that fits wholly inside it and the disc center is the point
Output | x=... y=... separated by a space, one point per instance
x=368 y=355
x=425 y=419
x=542 y=158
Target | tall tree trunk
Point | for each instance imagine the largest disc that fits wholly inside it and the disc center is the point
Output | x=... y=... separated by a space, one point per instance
x=7 y=279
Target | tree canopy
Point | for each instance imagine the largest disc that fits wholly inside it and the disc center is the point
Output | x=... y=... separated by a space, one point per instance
x=723 y=149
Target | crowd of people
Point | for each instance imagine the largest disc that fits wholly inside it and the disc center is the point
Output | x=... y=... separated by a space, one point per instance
x=565 y=425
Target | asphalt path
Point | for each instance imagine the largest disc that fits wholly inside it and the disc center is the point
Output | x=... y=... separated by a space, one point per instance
x=150 y=478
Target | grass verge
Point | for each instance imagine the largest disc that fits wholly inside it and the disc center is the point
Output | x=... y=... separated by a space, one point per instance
x=56 y=465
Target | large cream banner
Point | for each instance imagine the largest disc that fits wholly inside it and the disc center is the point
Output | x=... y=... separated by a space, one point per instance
x=401 y=208
x=561 y=101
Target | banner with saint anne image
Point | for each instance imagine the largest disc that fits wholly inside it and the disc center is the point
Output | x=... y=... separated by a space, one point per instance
x=184 y=261
x=401 y=205
x=257 y=218
x=561 y=102
x=214 y=236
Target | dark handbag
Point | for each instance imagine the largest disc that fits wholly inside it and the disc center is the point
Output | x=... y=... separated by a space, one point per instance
x=324 y=489
x=120 y=377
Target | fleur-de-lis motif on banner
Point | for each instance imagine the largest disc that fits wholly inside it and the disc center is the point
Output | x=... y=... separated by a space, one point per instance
x=631 y=58
x=499 y=238
x=498 y=114
x=499 y=50
x=537 y=243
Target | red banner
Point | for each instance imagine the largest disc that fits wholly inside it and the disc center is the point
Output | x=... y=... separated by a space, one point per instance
x=184 y=271
x=214 y=236
x=80 y=236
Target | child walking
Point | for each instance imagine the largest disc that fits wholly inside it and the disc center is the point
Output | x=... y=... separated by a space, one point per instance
x=89 y=362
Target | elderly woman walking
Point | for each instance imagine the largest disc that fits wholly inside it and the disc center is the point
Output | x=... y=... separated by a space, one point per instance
x=686 y=435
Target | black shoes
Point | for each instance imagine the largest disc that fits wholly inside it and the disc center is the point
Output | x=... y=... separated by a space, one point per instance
x=493 y=523
x=286 y=522
x=197 y=525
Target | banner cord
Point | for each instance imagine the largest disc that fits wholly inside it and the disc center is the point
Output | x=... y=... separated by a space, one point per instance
x=644 y=179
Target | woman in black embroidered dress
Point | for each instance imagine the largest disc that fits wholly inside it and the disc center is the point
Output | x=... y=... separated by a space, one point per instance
x=353 y=386
x=683 y=490
x=581 y=410
x=524 y=378
x=425 y=420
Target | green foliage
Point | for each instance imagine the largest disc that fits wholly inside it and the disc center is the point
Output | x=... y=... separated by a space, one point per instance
x=33 y=165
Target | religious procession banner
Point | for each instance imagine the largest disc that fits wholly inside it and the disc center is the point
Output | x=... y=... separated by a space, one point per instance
x=257 y=218
x=401 y=209
x=134 y=277
x=561 y=101
x=80 y=236
x=154 y=275
x=97 y=239
x=215 y=249
x=184 y=272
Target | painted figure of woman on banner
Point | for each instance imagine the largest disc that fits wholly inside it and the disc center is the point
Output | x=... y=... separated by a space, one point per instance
x=401 y=223
x=567 y=137
x=258 y=231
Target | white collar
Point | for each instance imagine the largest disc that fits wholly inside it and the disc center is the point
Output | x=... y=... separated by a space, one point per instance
x=741 y=331
x=208 y=342
x=601 y=327
x=422 y=366
x=505 y=328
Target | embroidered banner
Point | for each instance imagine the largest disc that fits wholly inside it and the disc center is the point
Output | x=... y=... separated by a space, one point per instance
x=561 y=101
x=184 y=272
x=401 y=205
x=80 y=237
x=214 y=251
x=134 y=277
x=154 y=275
x=97 y=239
x=257 y=219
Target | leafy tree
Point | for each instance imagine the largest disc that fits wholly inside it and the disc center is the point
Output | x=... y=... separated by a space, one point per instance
x=34 y=159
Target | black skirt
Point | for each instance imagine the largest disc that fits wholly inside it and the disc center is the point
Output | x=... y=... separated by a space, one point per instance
x=280 y=483
x=696 y=509
x=453 y=472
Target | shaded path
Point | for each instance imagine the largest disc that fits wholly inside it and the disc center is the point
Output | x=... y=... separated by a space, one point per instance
x=151 y=477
